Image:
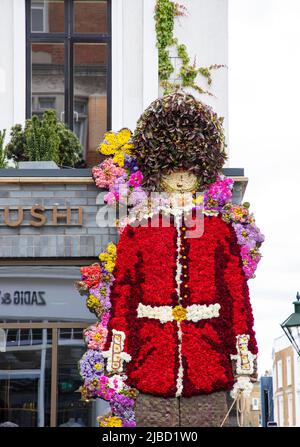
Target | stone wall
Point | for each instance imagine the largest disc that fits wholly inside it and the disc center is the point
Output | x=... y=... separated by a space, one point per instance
x=48 y=241
x=56 y=192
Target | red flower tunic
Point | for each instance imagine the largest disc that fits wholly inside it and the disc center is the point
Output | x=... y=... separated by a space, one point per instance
x=180 y=356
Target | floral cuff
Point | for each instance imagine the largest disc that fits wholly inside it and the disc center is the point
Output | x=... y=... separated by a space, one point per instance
x=115 y=355
x=244 y=358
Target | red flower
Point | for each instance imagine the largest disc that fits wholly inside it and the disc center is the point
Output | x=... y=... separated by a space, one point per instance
x=91 y=275
x=212 y=272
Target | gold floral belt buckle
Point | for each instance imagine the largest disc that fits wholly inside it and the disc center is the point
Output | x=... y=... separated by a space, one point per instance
x=179 y=313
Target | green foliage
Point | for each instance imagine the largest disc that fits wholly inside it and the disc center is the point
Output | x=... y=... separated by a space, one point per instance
x=165 y=13
x=164 y=25
x=3 y=162
x=43 y=140
x=70 y=149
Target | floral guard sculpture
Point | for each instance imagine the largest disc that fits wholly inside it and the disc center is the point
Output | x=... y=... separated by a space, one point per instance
x=175 y=318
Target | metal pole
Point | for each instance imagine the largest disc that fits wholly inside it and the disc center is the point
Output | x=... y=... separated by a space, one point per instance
x=53 y=413
x=41 y=392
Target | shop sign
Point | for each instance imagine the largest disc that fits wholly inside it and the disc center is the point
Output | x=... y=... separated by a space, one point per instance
x=23 y=298
x=36 y=298
x=39 y=216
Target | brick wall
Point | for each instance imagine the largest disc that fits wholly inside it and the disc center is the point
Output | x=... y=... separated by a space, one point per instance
x=50 y=241
x=89 y=16
x=286 y=388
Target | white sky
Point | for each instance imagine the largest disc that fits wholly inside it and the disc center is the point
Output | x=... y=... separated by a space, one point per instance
x=264 y=138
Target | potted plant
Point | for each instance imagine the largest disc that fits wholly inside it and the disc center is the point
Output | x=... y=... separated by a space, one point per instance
x=42 y=141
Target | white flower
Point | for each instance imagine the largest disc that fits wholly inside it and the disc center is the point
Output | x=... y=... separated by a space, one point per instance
x=117 y=382
x=195 y=312
x=242 y=384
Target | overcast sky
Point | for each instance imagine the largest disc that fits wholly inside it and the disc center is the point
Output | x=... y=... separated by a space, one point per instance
x=264 y=128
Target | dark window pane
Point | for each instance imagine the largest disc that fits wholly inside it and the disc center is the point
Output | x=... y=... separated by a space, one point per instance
x=11 y=336
x=72 y=412
x=65 y=333
x=90 y=96
x=48 y=78
x=46 y=103
x=37 y=20
x=25 y=384
x=90 y=16
x=47 y=16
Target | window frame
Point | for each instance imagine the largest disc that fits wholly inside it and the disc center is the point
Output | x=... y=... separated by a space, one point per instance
x=55 y=327
x=279 y=367
x=255 y=403
x=42 y=7
x=289 y=379
x=69 y=38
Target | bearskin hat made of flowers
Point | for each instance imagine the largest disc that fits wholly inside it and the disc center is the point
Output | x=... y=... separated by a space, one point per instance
x=179 y=132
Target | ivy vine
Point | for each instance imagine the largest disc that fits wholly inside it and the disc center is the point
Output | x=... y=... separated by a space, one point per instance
x=165 y=13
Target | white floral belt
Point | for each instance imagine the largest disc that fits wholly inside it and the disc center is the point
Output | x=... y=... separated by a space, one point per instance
x=195 y=312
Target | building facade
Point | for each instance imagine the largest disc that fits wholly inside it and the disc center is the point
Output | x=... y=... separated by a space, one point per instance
x=94 y=63
x=286 y=383
x=252 y=410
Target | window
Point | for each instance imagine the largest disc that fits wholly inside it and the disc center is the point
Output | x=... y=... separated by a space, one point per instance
x=275 y=385
x=39 y=376
x=255 y=404
x=279 y=374
x=281 y=411
x=68 y=66
x=290 y=409
x=288 y=370
x=38 y=16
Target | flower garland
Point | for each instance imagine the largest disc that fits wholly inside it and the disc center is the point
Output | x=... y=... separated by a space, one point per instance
x=119 y=174
x=97 y=382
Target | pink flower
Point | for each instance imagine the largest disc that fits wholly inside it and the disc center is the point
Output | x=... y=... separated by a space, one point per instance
x=96 y=336
x=103 y=380
x=218 y=193
x=245 y=250
x=106 y=173
x=105 y=319
x=250 y=258
x=135 y=179
x=111 y=197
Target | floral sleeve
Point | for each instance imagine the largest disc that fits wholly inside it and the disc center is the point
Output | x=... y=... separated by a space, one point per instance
x=242 y=316
x=124 y=273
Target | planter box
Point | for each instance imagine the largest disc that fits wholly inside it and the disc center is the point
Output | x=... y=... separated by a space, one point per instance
x=37 y=165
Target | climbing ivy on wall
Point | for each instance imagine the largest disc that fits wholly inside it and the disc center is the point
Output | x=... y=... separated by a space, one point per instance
x=165 y=13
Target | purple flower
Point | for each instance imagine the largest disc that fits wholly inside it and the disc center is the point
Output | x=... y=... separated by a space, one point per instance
x=259 y=236
x=122 y=406
x=248 y=235
x=91 y=365
x=137 y=196
x=218 y=193
x=102 y=294
x=131 y=423
x=130 y=163
x=121 y=186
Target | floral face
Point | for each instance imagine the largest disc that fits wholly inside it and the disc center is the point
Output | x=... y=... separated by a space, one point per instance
x=179 y=181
